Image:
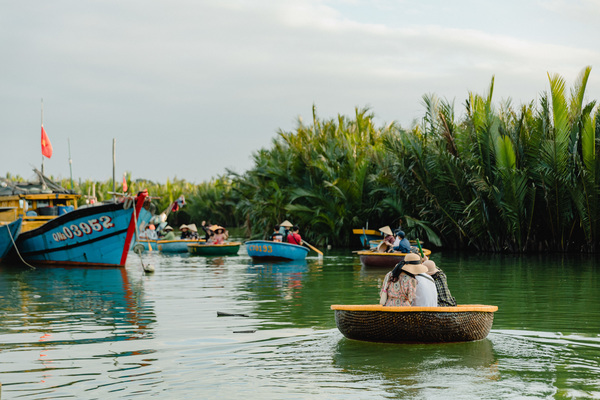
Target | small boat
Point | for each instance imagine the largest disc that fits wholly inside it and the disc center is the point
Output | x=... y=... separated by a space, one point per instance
x=9 y=232
x=370 y=258
x=268 y=250
x=366 y=236
x=176 y=245
x=224 y=249
x=375 y=323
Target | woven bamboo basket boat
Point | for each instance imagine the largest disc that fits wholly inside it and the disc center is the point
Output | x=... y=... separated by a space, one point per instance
x=375 y=323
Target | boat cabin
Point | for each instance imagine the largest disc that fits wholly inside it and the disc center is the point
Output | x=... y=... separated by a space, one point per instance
x=36 y=203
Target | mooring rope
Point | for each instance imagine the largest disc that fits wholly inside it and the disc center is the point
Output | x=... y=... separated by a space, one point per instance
x=17 y=249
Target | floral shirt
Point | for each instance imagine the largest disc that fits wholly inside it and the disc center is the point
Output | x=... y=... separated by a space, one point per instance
x=400 y=293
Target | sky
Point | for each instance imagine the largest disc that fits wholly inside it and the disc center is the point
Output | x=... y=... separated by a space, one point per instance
x=191 y=88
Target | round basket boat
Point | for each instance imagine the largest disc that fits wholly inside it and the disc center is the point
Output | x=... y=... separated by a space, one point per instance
x=370 y=258
x=375 y=323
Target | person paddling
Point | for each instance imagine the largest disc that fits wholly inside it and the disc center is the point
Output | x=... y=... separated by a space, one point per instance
x=294 y=237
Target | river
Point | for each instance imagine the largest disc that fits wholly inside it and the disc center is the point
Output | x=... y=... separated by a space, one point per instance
x=117 y=333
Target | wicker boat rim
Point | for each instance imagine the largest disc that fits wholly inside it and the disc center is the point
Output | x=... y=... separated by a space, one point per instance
x=373 y=253
x=377 y=307
x=230 y=244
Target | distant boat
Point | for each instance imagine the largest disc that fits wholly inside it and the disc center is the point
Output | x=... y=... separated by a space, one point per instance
x=268 y=250
x=176 y=245
x=9 y=233
x=370 y=258
x=366 y=236
x=224 y=249
x=375 y=323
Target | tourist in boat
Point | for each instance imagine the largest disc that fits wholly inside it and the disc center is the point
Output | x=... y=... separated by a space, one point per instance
x=387 y=243
x=208 y=233
x=399 y=287
x=276 y=236
x=294 y=236
x=149 y=233
x=284 y=228
x=444 y=298
x=426 y=295
x=168 y=233
x=193 y=233
x=219 y=236
x=185 y=231
x=403 y=245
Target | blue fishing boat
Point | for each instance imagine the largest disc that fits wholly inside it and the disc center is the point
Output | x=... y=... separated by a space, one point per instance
x=92 y=236
x=8 y=235
x=149 y=245
x=267 y=250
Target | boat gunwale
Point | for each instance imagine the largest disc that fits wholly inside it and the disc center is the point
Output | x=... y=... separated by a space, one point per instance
x=380 y=308
x=397 y=254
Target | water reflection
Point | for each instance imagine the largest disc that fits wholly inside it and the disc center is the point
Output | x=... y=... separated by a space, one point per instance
x=63 y=318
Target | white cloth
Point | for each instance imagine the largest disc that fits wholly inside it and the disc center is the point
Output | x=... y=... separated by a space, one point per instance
x=426 y=292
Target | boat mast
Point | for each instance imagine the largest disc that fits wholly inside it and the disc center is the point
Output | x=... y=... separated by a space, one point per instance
x=70 y=162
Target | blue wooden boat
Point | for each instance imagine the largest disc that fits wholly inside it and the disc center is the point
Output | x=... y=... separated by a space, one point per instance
x=149 y=245
x=8 y=236
x=366 y=236
x=267 y=250
x=99 y=235
x=176 y=246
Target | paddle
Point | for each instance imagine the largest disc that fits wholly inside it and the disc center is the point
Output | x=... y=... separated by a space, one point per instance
x=420 y=248
x=319 y=252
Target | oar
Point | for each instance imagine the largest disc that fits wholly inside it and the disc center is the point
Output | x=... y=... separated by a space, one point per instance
x=420 y=248
x=319 y=252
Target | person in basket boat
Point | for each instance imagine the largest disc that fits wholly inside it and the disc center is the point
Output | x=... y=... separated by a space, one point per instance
x=387 y=244
x=208 y=233
x=402 y=244
x=294 y=236
x=444 y=298
x=168 y=233
x=193 y=233
x=219 y=236
x=276 y=236
x=408 y=285
x=284 y=229
x=185 y=231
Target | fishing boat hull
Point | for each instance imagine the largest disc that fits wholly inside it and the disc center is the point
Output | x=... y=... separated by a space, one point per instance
x=225 y=249
x=375 y=323
x=175 y=246
x=383 y=260
x=8 y=236
x=267 y=250
x=92 y=236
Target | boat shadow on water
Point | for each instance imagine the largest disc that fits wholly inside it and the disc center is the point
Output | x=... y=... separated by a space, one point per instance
x=411 y=361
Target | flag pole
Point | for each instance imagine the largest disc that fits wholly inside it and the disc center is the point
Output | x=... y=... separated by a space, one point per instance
x=42 y=128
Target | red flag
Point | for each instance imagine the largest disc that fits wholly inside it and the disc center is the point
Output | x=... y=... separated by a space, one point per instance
x=124 y=183
x=46 y=145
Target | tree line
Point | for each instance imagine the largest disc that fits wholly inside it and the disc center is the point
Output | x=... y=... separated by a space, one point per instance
x=499 y=178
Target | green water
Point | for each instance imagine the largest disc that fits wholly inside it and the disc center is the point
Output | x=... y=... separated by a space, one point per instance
x=102 y=334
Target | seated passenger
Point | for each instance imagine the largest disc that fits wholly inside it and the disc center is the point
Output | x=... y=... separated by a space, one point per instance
x=168 y=233
x=219 y=236
x=403 y=245
x=444 y=298
x=388 y=241
x=399 y=286
x=208 y=233
x=185 y=232
x=276 y=236
x=426 y=295
x=193 y=233
x=294 y=237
